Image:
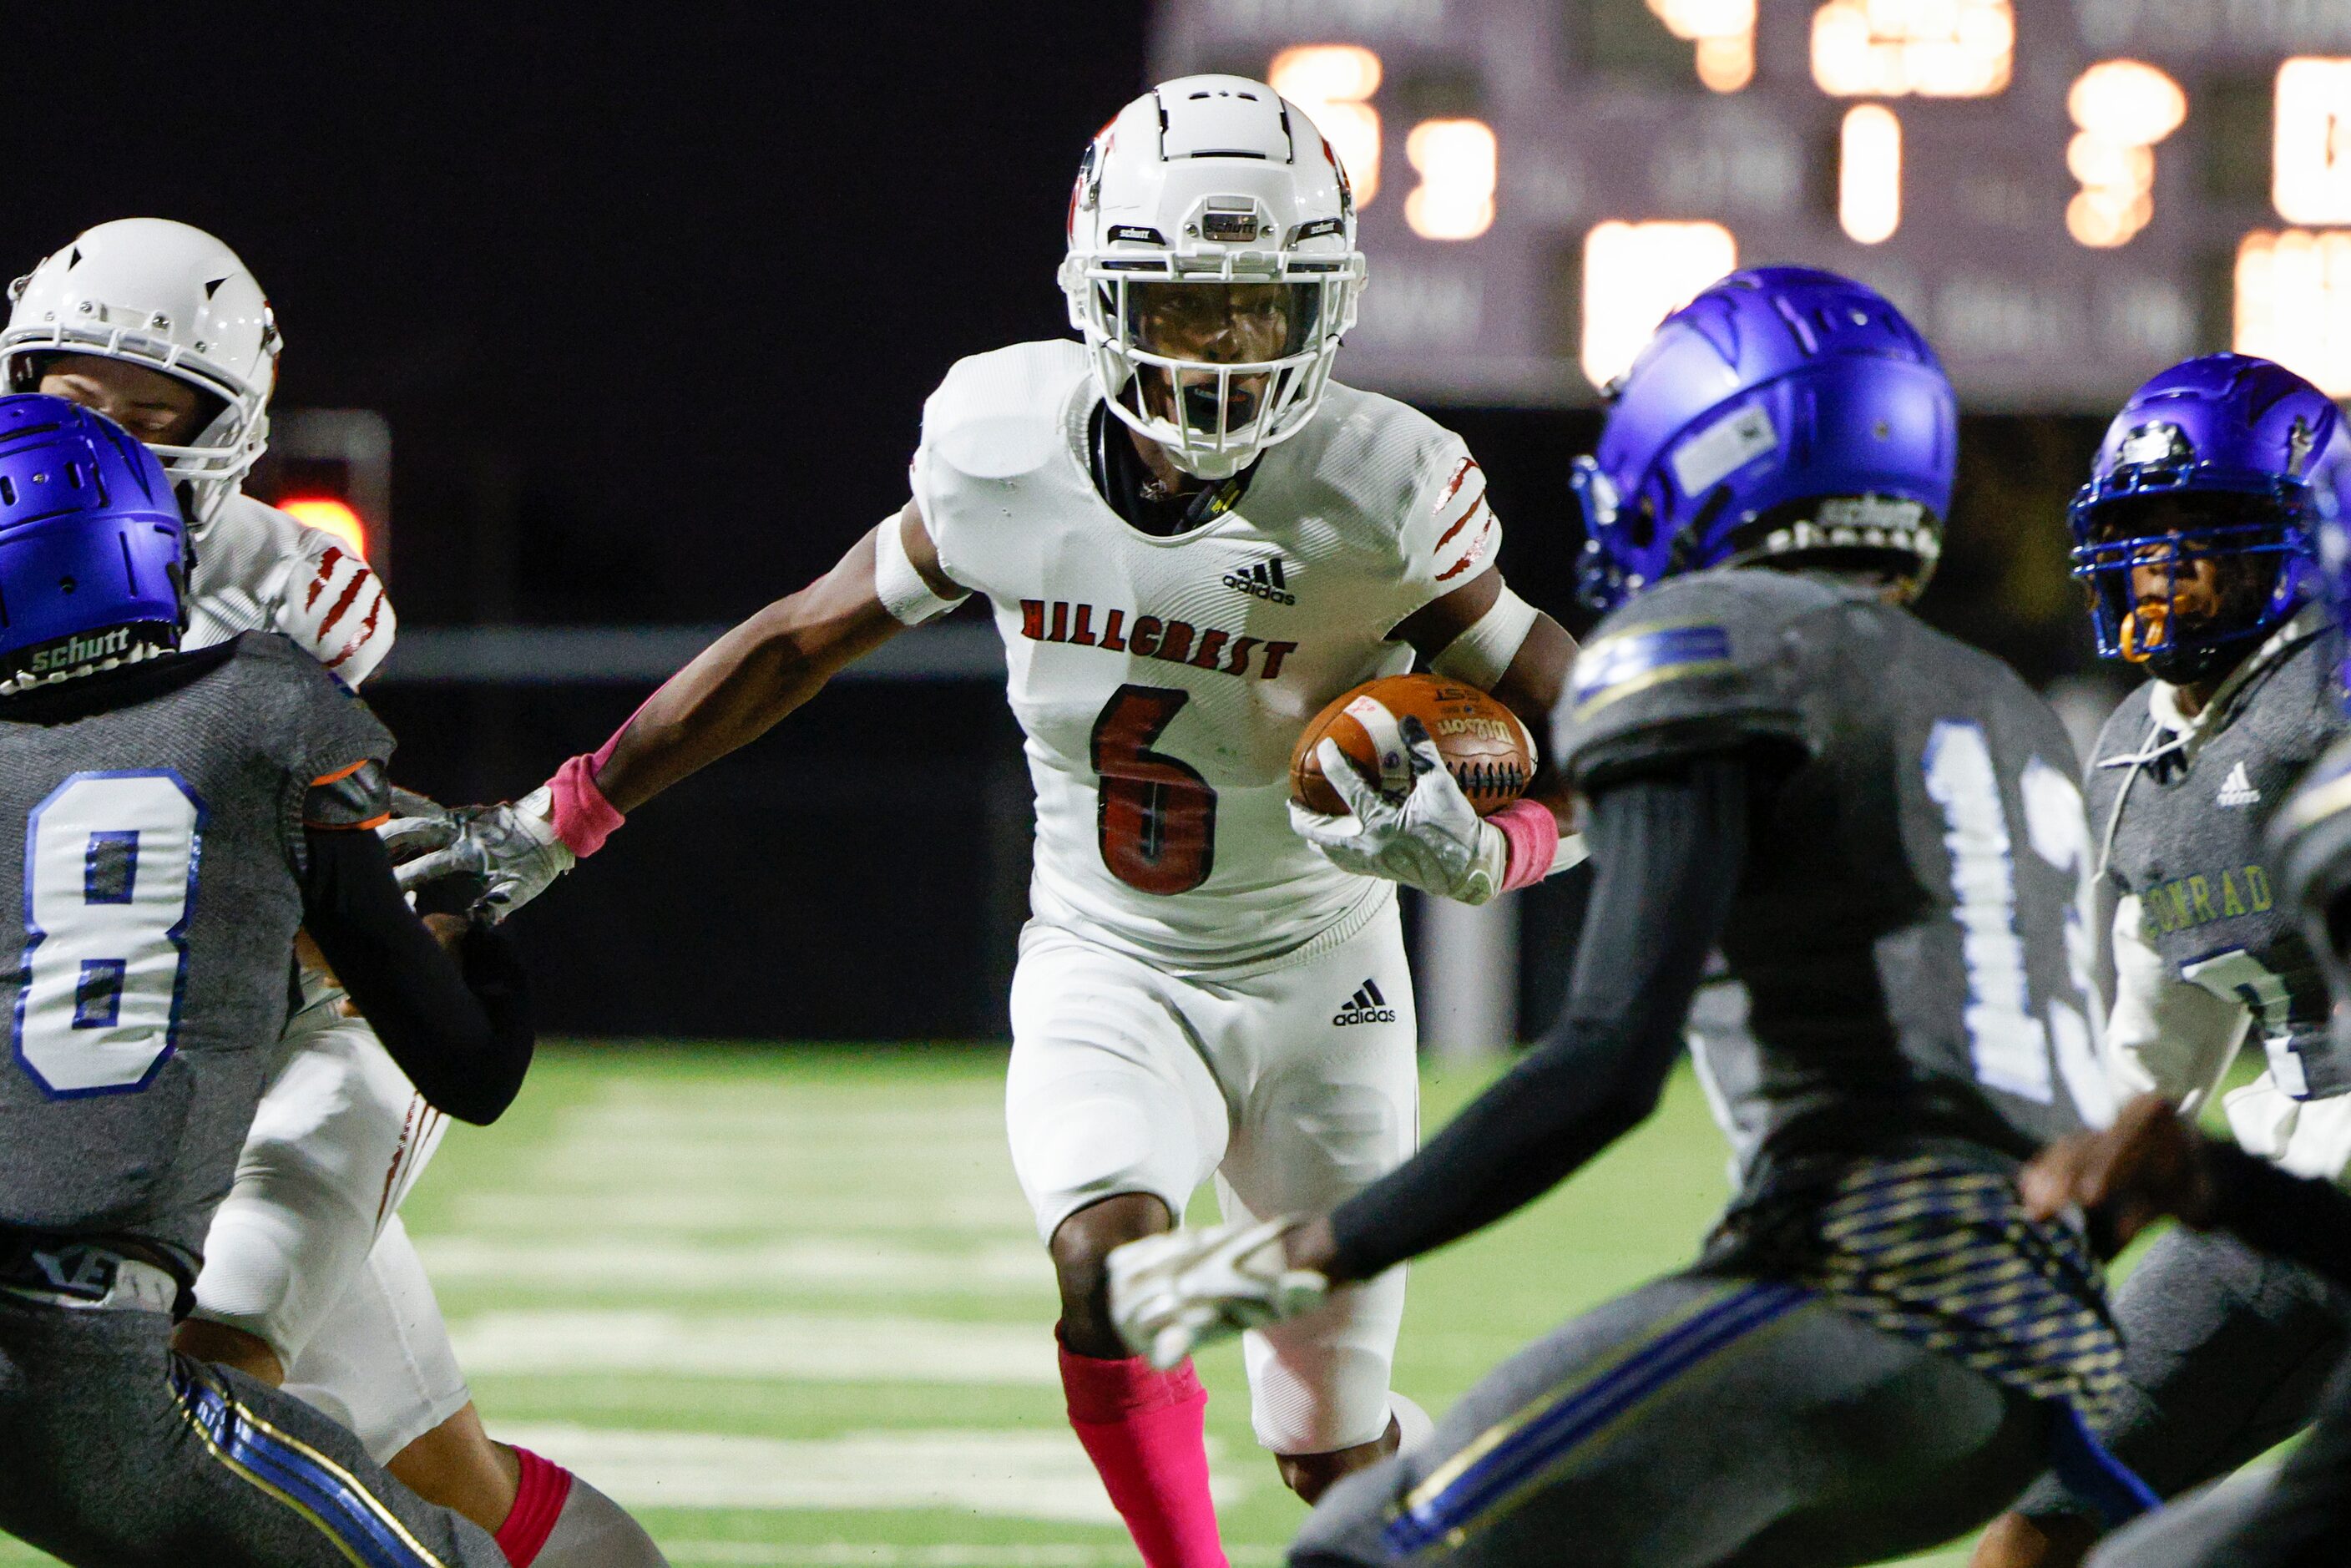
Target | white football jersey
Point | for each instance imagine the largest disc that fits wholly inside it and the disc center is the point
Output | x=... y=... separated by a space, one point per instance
x=258 y=570
x=1162 y=682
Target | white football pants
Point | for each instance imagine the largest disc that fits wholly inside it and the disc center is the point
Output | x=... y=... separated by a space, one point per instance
x=1292 y=1081
x=306 y=1252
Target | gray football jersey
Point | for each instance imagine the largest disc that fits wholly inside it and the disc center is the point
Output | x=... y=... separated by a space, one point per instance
x=1910 y=930
x=2181 y=821
x=158 y=846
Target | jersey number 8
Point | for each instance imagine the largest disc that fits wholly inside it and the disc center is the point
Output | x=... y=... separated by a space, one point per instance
x=1155 y=816
x=109 y=881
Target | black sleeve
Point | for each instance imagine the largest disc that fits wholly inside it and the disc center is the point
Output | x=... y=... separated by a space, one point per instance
x=1668 y=847
x=2294 y=1217
x=461 y=1032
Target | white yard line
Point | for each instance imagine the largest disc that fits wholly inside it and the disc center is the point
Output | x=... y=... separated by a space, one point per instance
x=810 y=1210
x=852 y=1265
x=1017 y=1475
x=761 y=1346
x=878 y=1555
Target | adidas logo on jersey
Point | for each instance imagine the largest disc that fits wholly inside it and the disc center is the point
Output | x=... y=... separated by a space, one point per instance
x=1366 y=1006
x=1263 y=581
x=2237 y=789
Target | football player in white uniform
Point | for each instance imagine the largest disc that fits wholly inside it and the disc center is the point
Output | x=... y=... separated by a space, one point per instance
x=1192 y=539
x=309 y=1280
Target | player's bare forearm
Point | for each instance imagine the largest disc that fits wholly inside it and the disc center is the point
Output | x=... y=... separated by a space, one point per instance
x=740 y=686
x=1530 y=687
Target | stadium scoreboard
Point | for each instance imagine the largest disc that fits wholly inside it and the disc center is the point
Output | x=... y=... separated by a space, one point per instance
x=2065 y=195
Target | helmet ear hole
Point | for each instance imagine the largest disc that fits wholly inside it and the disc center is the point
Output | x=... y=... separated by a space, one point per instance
x=1709 y=511
x=1641 y=521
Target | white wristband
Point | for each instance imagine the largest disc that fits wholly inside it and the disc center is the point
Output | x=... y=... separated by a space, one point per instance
x=1572 y=851
x=1486 y=648
x=901 y=588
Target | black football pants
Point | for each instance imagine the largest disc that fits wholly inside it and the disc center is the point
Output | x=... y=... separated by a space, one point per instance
x=1701 y=1420
x=121 y=1453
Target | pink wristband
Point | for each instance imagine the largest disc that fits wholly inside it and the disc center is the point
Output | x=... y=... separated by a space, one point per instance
x=1532 y=834
x=583 y=818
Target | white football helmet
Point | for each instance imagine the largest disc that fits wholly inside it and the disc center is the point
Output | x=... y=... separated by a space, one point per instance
x=170 y=297
x=1212 y=268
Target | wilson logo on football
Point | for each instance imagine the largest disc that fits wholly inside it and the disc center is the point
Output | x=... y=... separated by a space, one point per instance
x=1366 y=1006
x=1484 y=728
x=1263 y=581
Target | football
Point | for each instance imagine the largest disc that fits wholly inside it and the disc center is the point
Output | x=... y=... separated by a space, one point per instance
x=1486 y=747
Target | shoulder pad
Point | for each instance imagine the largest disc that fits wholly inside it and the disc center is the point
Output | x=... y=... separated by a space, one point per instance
x=323 y=726
x=997 y=415
x=1696 y=665
x=1367 y=456
x=1393 y=482
x=336 y=608
x=2310 y=837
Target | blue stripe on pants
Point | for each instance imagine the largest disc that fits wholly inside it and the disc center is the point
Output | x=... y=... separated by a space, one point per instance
x=1549 y=1435
x=298 y=1475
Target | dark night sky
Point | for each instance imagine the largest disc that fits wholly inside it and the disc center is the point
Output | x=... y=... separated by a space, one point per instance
x=665 y=284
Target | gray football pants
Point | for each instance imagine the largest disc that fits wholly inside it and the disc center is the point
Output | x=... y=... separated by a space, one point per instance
x=121 y=1453
x=2225 y=1352
x=2295 y=1516
x=1701 y=1420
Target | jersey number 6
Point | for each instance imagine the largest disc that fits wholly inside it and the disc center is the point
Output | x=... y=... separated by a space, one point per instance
x=109 y=881
x=1155 y=817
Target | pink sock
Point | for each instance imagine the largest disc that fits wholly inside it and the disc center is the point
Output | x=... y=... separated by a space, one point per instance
x=539 y=1502
x=1144 y=1431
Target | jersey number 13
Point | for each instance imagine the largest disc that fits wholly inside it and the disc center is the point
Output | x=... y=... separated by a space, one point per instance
x=2011 y=1045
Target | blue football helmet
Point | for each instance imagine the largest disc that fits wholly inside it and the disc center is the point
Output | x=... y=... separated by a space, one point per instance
x=2330 y=538
x=1784 y=413
x=93 y=548
x=2224 y=459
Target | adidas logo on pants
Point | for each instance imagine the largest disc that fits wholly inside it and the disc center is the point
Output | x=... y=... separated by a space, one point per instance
x=1366 y=1006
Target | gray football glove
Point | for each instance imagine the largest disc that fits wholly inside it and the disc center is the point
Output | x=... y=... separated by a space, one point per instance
x=510 y=848
x=1172 y=1292
x=1432 y=838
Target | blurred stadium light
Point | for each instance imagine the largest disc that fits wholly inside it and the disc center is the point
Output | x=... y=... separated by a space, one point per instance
x=331 y=469
x=1333 y=83
x=2311 y=178
x=2294 y=303
x=2076 y=183
x=2123 y=108
x=1869 y=174
x=1893 y=49
x=1455 y=159
x=1724 y=34
x=1635 y=275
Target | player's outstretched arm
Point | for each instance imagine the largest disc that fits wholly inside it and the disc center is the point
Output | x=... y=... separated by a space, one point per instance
x=1669 y=847
x=461 y=1029
x=732 y=693
x=737 y=689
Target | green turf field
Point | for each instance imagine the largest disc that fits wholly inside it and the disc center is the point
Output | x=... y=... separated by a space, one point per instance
x=787 y=1303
